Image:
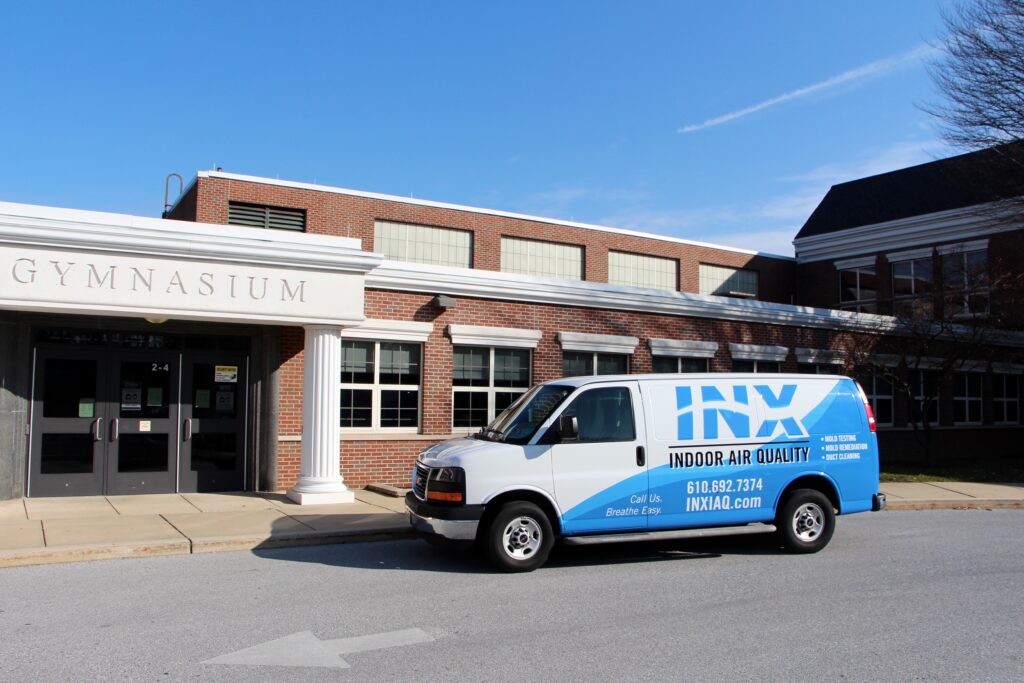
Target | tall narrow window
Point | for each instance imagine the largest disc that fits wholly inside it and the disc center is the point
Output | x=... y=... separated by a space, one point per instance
x=380 y=385
x=858 y=289
x=485 y=381
x=924 y=386
x=965 y=283
x=967 y=398
x=880 y=394
x=912 y=288
x=1005 y=399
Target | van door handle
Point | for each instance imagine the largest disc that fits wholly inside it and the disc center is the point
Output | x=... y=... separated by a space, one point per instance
x=640 y=456
x=113 y=429
x=97 y=429
x=187 y=429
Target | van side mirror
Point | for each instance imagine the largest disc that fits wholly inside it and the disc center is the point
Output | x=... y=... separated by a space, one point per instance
x=568 y=427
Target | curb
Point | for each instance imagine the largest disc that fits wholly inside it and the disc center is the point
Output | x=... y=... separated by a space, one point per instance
x=978 y=504
x=23 y=557
x=118 y=551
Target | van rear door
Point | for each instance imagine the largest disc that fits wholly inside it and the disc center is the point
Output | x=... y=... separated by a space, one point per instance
x=600 y=477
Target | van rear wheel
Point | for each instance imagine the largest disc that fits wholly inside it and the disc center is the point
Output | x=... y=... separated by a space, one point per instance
x=806 y=521
x=519 y=538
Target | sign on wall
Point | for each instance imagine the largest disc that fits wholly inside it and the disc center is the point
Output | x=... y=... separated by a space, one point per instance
x=147 y=286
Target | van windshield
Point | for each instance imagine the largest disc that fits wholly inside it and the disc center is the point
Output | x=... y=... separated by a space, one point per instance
x=521 y=419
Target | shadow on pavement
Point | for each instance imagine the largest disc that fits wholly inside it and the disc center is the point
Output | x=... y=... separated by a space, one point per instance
x=413 y=554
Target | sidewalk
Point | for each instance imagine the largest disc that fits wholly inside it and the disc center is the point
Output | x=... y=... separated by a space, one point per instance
x=48 y=530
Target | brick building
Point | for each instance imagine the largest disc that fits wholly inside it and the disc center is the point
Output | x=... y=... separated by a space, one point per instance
x=203 y=351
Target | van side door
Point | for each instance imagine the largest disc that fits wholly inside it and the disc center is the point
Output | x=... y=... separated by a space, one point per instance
x=600 y=476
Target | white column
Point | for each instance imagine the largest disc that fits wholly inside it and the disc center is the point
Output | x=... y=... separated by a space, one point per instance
x=320 y=474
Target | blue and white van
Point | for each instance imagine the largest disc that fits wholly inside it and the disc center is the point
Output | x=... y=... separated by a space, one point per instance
x=631 y=457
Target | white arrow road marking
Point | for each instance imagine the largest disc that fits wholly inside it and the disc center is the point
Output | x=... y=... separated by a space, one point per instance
x=305 y=649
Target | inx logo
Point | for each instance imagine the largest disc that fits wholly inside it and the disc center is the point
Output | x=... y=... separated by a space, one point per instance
x=734 y=414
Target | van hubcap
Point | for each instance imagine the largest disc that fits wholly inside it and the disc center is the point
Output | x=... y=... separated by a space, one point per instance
x=808 y=521
x=521 y=538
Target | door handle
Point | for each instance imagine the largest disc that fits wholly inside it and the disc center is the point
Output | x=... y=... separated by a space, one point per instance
x=640 y=456
x=97 y=429
x=187 y=429
x=113 y=429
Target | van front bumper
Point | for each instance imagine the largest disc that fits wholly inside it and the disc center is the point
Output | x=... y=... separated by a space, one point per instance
x=456 y=523
x=877 y=502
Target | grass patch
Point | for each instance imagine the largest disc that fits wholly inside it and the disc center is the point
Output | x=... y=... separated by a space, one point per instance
x=1004 y=471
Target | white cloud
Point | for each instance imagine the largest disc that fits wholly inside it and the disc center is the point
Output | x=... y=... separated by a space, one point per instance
x=857 y=75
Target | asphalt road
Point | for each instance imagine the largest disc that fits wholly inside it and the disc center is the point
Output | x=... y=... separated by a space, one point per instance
x=896 y=596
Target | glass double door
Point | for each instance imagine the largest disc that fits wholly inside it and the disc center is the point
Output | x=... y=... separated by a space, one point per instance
x=119 y=421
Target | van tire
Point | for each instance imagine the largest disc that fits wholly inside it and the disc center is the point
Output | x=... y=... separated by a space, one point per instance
x=519 y=538
x=806 y=521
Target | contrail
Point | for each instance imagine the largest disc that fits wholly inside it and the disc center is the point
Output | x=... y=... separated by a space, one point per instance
x=860 y=73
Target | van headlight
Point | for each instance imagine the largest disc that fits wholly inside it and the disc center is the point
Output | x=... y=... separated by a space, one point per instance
x=447 y=485
x=450 y=474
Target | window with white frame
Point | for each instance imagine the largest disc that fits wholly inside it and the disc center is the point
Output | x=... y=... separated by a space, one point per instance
x=743 y=365
x=1005 y=399
x=637 y=270
x=880 y=394
x=817 y=368
x=423 y=244
x=577 y=363
x=380 y=385
x=725 y=281
x=486 y=381
x=924 y=389
x=676 y=364
x=912 y=288
x=858 y=289
x=965 y=283
x=542 y=259
x=967 y=398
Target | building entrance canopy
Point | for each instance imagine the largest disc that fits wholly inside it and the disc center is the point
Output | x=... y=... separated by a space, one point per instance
x=89 y=263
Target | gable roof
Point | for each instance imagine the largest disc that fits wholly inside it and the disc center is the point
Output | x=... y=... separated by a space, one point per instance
x=953 y=183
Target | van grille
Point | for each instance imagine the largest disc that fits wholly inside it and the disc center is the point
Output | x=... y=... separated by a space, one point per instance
x=419 y=484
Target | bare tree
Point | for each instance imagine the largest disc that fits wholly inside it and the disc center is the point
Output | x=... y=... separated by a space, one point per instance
x=981 y=74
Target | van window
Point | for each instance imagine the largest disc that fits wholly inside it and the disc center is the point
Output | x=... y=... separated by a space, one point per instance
x=604 y=414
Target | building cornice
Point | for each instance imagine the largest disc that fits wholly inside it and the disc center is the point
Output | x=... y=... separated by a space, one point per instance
x=925 y=230
x=488 y=284
x=50 y=227
x=472 y=209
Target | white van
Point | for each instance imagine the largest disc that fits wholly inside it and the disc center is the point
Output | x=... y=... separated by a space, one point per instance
x=632 y=457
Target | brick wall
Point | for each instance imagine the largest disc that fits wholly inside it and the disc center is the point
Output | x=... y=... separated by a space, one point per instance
x=390 y=460
x=330 y=213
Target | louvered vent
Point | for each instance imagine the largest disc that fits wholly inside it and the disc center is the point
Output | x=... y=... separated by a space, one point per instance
x=257 y=216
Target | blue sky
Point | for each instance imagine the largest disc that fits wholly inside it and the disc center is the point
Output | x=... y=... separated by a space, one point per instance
x=724 y=122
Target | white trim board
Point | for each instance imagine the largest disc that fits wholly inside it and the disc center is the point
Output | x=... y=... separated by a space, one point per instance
x=597 y=343
x=507 y=337
x=389 y=330
x=758 y=352
x=907 y=233
x=682 y=348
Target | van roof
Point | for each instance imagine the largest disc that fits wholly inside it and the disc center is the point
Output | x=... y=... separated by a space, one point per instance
x=699 y=376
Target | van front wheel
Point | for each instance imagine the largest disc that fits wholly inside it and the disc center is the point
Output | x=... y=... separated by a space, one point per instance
x=519 y=538
x=806 y=521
